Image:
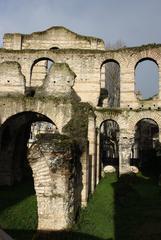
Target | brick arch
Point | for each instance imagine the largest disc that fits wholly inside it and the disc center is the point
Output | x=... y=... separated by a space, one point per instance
x=101 y=117
x=36 y=61
x=108 y=59
x=109 y=119
x=150 y=55
x=136 y=117
x=109 y=82
x=140 y=69
x=142 y=59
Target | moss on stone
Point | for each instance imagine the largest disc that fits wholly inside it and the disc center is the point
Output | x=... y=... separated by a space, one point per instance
x=58 y=141
x=77 y=127
x=136 y=48
x=111 y=111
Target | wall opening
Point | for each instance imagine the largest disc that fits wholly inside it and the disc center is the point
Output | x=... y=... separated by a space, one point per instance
x=110 y=84
x=146 y=148
x=39 y=71
x=146 y=78
x=109 y=148
x=16 y=180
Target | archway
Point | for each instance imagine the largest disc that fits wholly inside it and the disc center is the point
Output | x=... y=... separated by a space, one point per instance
x=39 y=71
x=146 y=148
x=109 y=149
x=17 y=172
x=146 y=78
x=110 y=84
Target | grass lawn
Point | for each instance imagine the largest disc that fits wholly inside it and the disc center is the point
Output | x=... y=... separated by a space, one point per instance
x=124 y=209
x=18 y=210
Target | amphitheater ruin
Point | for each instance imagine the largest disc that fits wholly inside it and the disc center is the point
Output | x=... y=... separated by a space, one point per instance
x=61 y=115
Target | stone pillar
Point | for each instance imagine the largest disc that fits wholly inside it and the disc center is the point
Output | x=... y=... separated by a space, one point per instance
x=125 y=146
x=85 y=176
x=52 y=163
x=92 y=150
x=98 y=157
x=127 y=87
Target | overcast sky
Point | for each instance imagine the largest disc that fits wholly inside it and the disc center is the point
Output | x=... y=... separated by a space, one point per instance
x=135 y=22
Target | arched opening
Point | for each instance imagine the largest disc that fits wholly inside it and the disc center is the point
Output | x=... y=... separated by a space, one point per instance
x=109 y=149
x=39 y=71
x=146 y=147
x=146 y=78
x=54 y=48
x=16 y=175
x=110 y=84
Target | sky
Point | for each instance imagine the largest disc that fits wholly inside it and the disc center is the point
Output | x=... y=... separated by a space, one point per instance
x=134 y=22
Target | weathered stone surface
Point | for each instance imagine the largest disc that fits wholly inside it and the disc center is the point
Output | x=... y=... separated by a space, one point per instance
x=54 y=37
x=78 y=69
x=51 y=160
x=109 y=169
x=12 y=82
x=134 y=169
x=59 y=81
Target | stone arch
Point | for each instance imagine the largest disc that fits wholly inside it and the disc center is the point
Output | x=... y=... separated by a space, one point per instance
x=137 y=116
x=54 y=168
x=109 y=119
x=141 y=59
x=147 y=146
x=146 y=69
x=102 y=116
x=14 y=167
x=14 y=136
x=49 y=171
x=40 y=65
x=110 y=83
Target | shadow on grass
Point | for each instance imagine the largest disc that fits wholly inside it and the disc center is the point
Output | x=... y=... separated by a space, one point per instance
x=137 y=208
x=11 y=195
x=65 y=235
x=18 y=210
x=20 y=234
x=55 y=235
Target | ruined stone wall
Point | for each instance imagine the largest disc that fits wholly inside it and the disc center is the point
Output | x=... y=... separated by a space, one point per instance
x=60 y=112
x=55 y=37
x=86 y=64
x=126 y=120
x=74 y=78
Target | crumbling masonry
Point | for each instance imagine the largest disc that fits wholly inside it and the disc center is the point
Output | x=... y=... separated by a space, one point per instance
x=58 y=77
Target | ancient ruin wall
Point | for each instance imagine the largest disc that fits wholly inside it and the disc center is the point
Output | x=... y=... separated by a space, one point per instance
x=55 y=37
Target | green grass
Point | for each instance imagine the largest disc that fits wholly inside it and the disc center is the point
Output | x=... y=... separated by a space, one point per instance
x=124 y=209
x=18 y=210
x=127 y=209
x=98 y=218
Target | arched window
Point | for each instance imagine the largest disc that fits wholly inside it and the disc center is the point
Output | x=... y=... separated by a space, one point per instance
x=110 y=84
x=146 y=78
x=39 y=70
